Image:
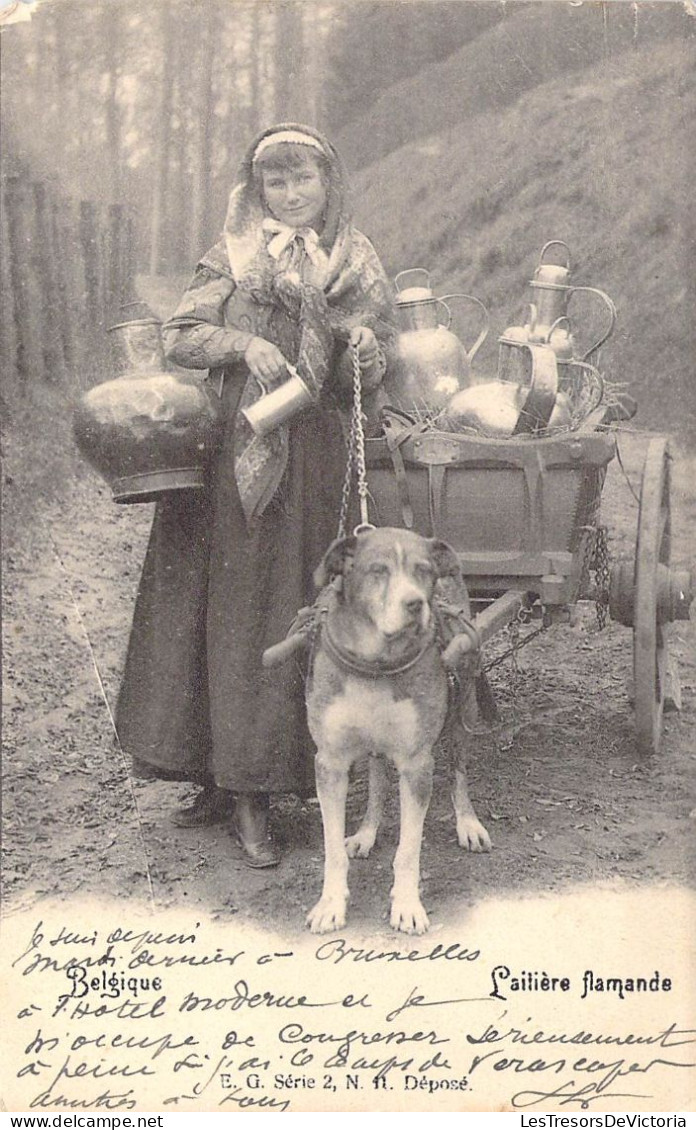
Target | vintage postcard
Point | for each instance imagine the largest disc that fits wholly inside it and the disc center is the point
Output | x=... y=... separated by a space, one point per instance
x=379 y=312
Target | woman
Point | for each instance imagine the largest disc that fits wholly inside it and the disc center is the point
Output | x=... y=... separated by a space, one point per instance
x=290 y=282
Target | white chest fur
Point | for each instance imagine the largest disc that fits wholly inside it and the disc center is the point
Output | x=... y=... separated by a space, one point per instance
x=367 y=716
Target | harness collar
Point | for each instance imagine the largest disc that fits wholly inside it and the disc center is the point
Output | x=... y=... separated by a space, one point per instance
x=372 y=669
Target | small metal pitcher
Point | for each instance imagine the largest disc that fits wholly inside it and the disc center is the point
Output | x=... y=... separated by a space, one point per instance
x=280 y=405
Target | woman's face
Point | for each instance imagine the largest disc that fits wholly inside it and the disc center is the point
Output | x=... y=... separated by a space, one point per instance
x=296 y=196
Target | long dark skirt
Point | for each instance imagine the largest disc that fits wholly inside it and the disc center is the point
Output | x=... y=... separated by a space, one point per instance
x=195 y=702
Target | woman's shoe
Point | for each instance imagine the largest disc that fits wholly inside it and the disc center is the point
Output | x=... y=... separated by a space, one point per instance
x=251 y=831
x=211 y=806
x=142 y=770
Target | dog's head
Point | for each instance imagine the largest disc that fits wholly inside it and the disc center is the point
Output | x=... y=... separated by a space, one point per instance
x=389 y=576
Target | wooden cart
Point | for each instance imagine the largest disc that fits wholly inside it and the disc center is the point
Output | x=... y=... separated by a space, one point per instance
x=523 y=516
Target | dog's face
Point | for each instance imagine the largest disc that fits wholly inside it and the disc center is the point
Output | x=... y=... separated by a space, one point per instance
x=389 y=576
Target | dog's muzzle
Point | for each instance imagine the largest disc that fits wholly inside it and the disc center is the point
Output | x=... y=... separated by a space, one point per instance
x=405 y=610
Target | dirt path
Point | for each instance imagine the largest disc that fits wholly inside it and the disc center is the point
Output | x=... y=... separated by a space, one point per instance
x=560 y=786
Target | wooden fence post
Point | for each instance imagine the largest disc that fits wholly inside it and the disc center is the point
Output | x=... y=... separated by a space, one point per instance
x=65 y=314
x=74 y=287
x=25 y=271
x=129 y=263
x=8 y=327
x=114 y=260
x=68 y=267
x=52 y=340
x=90 y=258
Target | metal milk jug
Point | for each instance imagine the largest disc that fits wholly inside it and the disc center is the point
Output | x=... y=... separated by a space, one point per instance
x=549 y=293
x=549 y=322
x=427 y=363
x=149 y=431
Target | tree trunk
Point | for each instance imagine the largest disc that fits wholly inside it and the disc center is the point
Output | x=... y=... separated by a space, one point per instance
x=163 y=142
x=255 y=69
x=203 y=103
x=8 y=327
x=25 y=271
x=112 y=37
x=290 y=103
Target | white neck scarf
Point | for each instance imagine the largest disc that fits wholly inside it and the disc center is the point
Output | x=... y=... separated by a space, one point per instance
x=282 y=236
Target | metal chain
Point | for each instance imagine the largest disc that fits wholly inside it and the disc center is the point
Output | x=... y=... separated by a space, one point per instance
x=356 y=452
x=588 y=536
x=345 y=493
x=359 y=449
x=513 y=632
x=517 y=642
x=601 y=567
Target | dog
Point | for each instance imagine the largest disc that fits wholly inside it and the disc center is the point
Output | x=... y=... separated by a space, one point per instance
x=377 y=686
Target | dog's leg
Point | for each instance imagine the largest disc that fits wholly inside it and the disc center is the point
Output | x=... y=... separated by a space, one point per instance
x=415 y=788
x=332 y=789
x=471 y=834
x=362 y=842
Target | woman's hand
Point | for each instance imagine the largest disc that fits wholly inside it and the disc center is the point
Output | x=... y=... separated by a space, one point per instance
x=366 y=342
x=266 y=363
x=370 y=357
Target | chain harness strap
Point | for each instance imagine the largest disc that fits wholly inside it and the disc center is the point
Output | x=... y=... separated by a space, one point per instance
x=356 y=454
x=588 y=537
x=515 y=645
x=359 y=453
x=345 y=493
x=600 y=564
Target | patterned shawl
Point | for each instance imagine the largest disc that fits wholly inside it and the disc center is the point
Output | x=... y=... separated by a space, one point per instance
x=323 y=286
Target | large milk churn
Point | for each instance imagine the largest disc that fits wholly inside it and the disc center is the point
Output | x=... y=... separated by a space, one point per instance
x=427 y=363
x=550 y=293
x=149 y=431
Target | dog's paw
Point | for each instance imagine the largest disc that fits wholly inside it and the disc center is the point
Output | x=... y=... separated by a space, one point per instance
x=408 y=915
x=472 y=835
x=359 y=845
x=329 y=914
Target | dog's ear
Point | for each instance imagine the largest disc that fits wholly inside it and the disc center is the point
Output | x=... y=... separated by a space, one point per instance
x=334 y=561
x=444 y=559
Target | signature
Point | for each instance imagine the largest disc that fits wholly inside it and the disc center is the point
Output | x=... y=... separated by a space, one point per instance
x=566 y=1094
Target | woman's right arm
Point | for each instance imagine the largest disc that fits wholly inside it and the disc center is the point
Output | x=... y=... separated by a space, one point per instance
x=196 y=336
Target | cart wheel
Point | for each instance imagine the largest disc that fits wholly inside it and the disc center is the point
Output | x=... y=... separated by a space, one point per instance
x=650 y=629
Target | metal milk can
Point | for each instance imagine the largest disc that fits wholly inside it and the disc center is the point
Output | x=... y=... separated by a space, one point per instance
x=149 y=431
x=549 y=321
x=427 y=363
x=550 y=292
x=549 y=324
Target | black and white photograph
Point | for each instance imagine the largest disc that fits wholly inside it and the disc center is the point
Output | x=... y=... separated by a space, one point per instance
x=348 y=498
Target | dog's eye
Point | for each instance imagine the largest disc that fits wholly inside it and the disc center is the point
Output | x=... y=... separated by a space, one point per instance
x=424 y=570
x=378 y=569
